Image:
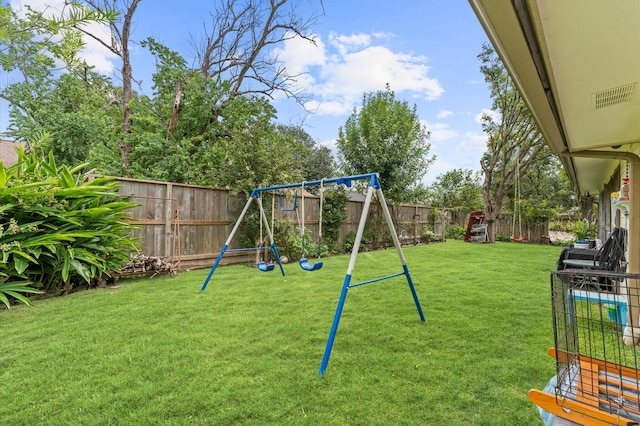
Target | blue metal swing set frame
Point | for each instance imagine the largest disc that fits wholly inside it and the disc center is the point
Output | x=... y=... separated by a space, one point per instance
x=374 y=186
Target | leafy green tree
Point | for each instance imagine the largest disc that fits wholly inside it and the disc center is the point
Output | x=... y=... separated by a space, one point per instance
x=457 y=188
x=68 y=111
x=32 y=49
x=84 y=119
x=184 y=121
x=514 y=142
x=320 y=163
x=386 y=136
x=117 y=42
x=236 y=147
x=334 y=215
x=545 y=191
x=159 y=148
x=315 y=161
x=253 y=154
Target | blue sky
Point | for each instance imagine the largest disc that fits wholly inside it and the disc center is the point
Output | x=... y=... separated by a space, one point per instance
x=426 y=50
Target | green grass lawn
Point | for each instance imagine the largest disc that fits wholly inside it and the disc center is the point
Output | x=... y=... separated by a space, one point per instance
x=247 y=350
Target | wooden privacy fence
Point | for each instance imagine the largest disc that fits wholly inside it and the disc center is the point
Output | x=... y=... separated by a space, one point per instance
x=189 y=224
x=186 y=224
x=537 y=232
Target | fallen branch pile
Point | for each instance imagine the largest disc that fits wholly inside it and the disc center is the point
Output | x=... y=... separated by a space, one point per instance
x=143 y=264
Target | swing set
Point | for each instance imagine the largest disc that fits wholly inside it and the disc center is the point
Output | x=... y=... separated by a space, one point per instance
x=373 y=186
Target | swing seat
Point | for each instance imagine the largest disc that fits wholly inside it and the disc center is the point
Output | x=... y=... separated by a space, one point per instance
x=304 y=264
x=266 y=267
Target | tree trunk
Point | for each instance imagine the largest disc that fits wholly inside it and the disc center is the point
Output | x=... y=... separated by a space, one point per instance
x=119 y=45
x=175 y=110
x=492 y=205
x=127 y=83
x=124 y=144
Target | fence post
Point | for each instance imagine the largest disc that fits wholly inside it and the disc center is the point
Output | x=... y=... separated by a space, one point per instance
x=167 y=222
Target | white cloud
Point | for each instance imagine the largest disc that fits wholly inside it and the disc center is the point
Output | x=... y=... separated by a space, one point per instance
x=440 y=132
x=354 y=42
x=442 y=114
x=337 y=107
x=300 y=54
x=351 y=65
x=473 y=142
x=345 y=44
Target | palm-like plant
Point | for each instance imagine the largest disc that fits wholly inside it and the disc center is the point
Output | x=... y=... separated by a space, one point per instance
x=58 y=227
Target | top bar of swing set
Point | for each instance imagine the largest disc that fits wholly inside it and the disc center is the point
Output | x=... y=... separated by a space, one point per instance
x=374 y=181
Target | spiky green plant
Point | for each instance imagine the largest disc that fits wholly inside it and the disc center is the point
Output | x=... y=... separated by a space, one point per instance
x=58 y=227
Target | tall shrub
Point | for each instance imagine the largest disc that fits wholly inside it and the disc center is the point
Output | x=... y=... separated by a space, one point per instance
x=334 y=215
x=58 y=227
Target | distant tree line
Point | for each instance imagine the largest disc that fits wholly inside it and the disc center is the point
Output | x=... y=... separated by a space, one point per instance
x=213 y=122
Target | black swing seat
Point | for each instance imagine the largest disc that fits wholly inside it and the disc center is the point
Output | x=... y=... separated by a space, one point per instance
x=266 y=267
x=304 y=264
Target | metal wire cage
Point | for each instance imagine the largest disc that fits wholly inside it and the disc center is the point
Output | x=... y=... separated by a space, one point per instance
x=597 y=379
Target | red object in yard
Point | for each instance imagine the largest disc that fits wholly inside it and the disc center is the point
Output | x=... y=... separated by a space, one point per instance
x=475 y=218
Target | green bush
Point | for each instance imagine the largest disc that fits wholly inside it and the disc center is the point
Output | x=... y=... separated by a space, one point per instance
x=582 y=229
x=334 y=213
x=562 y=243
x=58 y=227
x=455 y=232
x=288 y=241
x=349 y=242
x=290 y=244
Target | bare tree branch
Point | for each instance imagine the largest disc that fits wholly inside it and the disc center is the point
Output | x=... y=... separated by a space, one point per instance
x=238 y=47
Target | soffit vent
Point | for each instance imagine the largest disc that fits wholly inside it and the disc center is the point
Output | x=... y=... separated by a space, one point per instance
x=616 y=96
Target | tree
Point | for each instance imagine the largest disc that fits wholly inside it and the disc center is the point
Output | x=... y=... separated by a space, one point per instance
x=235 y=59
x=161 y=146
x=83 y=119
x=514 y=142
x=387 y=137
x=252 y=154
x=457 y=188
x=195 y=128
x=118 y=44
x=314 y=161
x=32 y=49
x=545 y=191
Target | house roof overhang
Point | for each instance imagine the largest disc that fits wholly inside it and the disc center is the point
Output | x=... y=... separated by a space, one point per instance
x=577 y=66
